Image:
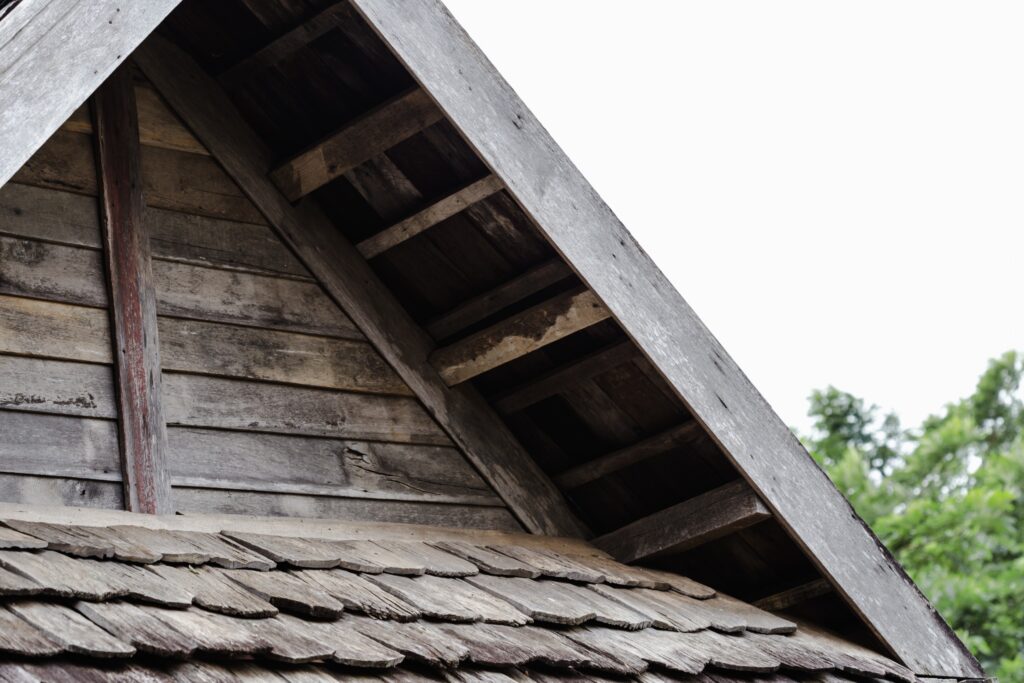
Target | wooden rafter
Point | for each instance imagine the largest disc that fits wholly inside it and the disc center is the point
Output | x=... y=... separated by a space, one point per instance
x=685 y=525
x=630 y=455
x=347 y=278
x=53 y=55
x=517 y=336
x=515 y=290
x=792 y=597
x=569 y=213
x=286 y=44
x=143 y=435
x=428 y=217
x=369 y=135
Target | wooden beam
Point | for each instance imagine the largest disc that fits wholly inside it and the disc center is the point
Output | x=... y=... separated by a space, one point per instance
x=794 y=596
x=288 y=43
x=565 y=377
x=345 y=275
x=422 y=221
x=506 y=294
x=517 y=336
x=569 y=213
x=650 y=447
x=686 y=525
x=143 y=435
x=360 y=140
x=53 y=55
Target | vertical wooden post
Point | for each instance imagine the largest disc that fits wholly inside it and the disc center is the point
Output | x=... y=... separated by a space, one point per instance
x=142 y=430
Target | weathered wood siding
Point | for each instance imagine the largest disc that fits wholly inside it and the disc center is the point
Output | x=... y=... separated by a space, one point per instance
x=274 y=401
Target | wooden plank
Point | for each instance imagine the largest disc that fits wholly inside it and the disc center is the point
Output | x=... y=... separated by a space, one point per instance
x=359 y=595
x=45 y=386
x=287 y=592
x=517 y=336
x=200 y=401
x=72 y=219
x=55 y=53
x=58 y=446
x=231 y=351
x=423 y=220
x=18 y=637
x=450 y=599
x=480 y=307
x=360 y=140
x=220 y=502
x=60 y=491
x=564 y=377
x=143 y=435
x=158 y=126
x=284 y=45
x=710 y=515
x=209 y=458
x=44 y=329
x=52 y=272
x=481 y=435
x=673 y=437
x=581 y=227
x=71 y=630
x=791 y=597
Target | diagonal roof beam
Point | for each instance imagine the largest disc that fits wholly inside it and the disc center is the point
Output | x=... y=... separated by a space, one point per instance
x=346 y=276
x=53 y=55
x=567 y=210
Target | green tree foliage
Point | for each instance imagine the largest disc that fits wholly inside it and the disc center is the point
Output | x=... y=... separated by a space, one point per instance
x=947 y=499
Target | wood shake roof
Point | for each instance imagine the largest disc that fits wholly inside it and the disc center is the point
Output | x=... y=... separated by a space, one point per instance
x=124 y=602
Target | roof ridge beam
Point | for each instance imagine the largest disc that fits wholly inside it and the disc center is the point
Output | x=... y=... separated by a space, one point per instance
x=685 y=525
x=429 y=216
x=514 y=337
x=356 y=142
x=630 y=455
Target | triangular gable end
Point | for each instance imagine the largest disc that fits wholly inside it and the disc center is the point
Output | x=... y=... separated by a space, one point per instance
x=620 y=286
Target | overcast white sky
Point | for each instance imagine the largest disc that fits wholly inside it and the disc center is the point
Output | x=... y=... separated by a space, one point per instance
x=836 y=188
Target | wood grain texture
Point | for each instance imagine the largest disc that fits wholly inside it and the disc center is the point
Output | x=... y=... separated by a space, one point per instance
x=158 y=127
x=57 y=387
x=30 y=327
x=552 y=191
x=362 y=139
x=428 y=217
x=481 y=436
x=207 y=458
x=53 y=55
x=710 y=515
x=60 y=491
x=71 y=219
x=143 y=435
x=480 y=307
x=791 y=597
x=232 y=351
x=517 y=336
x=650 y=447
x=59 y=446
x=189 y=500
x=200 y=401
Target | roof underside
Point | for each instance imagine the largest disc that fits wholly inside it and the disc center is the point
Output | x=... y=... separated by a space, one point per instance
x=629 y=406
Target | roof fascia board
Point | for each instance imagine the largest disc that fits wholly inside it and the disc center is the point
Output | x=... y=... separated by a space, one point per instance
x=53 y=55
x=537 y=173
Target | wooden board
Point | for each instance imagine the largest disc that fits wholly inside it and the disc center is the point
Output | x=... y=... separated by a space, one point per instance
x=44 y=386
x=515 y=146
x=362 y=139
x=31 y=327
x=57 y=491
x=484 y=439
x=710 y=515
x=207 y=458
x=517 y=336
x=231 y=351
x=215 y=501
x=76 y=45
x=200 y=401
x=72 y=219
x=143 y=436
x=58 y=446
